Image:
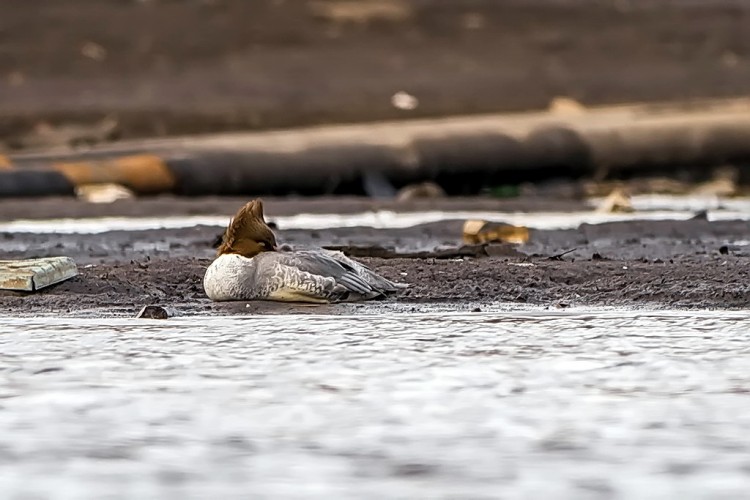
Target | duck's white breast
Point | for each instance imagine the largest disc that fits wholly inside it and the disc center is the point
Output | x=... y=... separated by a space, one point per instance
x=231 y=277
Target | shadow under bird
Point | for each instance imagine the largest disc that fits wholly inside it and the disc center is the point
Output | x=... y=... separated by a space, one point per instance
x=251 y=266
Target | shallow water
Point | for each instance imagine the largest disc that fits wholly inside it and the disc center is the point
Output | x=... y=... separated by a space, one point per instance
x=647 y=208
x=522 y=404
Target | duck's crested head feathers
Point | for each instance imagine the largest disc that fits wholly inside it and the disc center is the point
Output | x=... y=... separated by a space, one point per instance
x=248 y=234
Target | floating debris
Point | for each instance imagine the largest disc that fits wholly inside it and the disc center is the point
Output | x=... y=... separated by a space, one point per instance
x=479 y=231
x=34 y=274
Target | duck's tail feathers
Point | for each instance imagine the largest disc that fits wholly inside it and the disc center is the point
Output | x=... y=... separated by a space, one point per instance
x=383 y=285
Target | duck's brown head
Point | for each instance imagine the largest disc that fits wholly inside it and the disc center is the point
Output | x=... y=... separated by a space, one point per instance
x=248 y=234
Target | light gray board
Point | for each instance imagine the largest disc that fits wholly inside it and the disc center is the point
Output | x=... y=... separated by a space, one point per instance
x=33 y=274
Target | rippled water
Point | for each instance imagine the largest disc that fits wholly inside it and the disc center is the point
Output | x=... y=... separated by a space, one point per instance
x=509 y=405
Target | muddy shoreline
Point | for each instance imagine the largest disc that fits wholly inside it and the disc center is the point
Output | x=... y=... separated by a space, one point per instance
x=638 y=264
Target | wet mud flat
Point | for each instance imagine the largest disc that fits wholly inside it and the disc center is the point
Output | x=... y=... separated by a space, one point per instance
x=655 y=264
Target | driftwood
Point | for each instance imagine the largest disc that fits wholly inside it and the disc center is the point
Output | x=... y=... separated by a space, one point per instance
x=491 y=147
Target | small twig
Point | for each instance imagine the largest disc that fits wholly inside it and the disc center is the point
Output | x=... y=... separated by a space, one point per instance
x=559 y=256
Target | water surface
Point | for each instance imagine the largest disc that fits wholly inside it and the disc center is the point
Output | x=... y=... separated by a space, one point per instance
x=520 y=404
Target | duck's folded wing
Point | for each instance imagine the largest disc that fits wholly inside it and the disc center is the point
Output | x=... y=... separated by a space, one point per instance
x=291 y=284
x=322 y=264
x=375 y=281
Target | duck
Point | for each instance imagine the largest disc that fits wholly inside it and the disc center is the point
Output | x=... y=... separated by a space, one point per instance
x=251 y=266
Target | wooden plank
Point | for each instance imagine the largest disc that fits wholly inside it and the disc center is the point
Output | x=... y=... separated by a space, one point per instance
x=31 y=275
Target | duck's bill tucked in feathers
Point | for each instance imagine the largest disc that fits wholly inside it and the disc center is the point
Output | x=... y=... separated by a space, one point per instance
x=247 y=233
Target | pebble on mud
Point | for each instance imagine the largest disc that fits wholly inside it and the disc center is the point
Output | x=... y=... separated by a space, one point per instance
x=155 y=312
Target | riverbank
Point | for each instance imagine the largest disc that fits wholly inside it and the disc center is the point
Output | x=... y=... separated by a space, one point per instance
x=697 y=263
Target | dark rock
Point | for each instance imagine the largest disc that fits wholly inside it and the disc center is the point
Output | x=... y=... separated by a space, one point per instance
x=155 y=312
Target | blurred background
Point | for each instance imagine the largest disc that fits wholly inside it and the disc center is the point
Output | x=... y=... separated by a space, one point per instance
x=158 y=67
x=85 y=73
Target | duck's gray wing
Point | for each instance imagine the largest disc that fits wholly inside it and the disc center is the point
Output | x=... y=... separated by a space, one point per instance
x=291 y=284
x=321 y=264
x=375 y=281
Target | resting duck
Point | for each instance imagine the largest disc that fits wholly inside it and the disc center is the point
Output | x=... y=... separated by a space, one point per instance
x=250 y=266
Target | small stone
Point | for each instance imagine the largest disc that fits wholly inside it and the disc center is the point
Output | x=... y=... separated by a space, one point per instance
x=155 y=312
